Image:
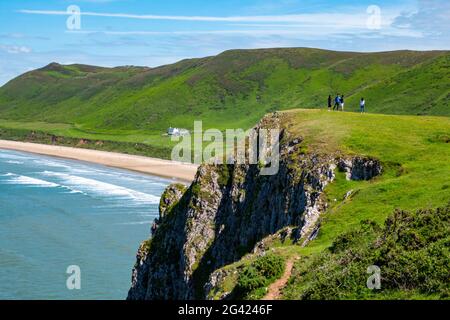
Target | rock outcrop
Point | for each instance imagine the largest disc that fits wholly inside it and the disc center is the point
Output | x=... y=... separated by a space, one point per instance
x=227 y=210
x=360 y=168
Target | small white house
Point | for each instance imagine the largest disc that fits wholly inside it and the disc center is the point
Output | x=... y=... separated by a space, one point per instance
x=173 y=131
x=177 y=131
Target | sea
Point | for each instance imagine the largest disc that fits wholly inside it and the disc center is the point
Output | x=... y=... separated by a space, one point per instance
x=70 y=229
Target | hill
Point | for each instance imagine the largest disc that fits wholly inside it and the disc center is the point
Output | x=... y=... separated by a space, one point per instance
x=232 y=89
x=341 y=176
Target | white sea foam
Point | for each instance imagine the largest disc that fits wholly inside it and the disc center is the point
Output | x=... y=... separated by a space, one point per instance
x=10 y=156
x=24 y=180
x=14 y=162
x=50 y=163
x=102 y=188
x=149 y=215
x=76 y=191
x=156 y=181
x=135 y=223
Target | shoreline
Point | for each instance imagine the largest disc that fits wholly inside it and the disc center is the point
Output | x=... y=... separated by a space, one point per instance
x=183 y=172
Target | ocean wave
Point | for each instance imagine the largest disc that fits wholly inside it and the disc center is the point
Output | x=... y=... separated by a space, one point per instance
x=14 y=162
x=135 y=223
x=71 y=168
x=77 y=169
x=25 y=180
x=10 y=156
x=102 y=188
x=133 y=178
x=76 y=191
x=149 y=215
x=50 y=163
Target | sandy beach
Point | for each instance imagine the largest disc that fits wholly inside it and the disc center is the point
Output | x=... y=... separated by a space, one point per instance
x=184 y=172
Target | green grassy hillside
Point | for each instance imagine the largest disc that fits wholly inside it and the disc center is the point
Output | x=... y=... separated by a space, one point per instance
x=129 y=108
x=415 y=154
x=233 y=89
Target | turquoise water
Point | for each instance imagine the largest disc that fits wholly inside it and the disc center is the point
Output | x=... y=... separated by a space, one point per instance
x=55 y=213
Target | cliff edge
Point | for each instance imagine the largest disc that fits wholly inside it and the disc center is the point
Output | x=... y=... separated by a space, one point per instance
x=229 y=209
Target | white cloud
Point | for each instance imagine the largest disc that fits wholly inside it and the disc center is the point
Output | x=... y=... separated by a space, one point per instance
x=311 y=18
x=303 y=32
x=297 y=25
x=15 y=49
x=432 y=17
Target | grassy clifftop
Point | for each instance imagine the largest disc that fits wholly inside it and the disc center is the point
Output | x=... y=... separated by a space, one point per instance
x=410 y=248
x=232 y=89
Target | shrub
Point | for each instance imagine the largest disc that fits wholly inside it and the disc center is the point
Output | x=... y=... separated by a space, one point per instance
x=411 y=250
x=224 y=172
x=258 y=275
x=250 y=279
x=270 y=266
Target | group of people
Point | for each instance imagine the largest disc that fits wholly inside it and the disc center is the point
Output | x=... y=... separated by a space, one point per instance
x=339 y=103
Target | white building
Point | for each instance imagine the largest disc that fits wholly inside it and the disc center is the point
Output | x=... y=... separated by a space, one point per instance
x=177 y=131
x=173 y=131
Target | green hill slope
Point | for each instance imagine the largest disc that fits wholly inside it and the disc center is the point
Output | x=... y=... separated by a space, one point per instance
x=233 y=89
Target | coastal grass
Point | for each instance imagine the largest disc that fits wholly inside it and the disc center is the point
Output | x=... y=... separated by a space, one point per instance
x=415 y=154
x=151 y=143
x=156 y=138
x=93 y=142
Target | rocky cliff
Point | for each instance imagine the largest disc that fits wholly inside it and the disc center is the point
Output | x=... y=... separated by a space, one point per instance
x=229 y=209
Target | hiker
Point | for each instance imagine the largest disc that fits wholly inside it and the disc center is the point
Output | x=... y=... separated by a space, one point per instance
x=362 y=105
x=337 y=101
x=342 y=103
x=329 y=102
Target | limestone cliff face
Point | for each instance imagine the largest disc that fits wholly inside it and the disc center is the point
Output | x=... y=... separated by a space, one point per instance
x=227 y=210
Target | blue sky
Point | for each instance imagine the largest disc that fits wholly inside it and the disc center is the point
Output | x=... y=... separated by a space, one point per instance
x=34 y=33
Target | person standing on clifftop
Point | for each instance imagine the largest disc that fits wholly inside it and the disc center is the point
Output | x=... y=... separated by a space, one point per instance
x=362 y=105
x=329 y=102
x=337 y=101
x=342 y=103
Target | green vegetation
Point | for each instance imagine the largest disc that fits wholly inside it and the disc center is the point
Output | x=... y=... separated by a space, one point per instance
x=104 y=145
x=415 y=154
x=412 y=252
x=146 y=246
x=231 y=90
x=168 y=199
x=224 y=175
x=254 y=278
